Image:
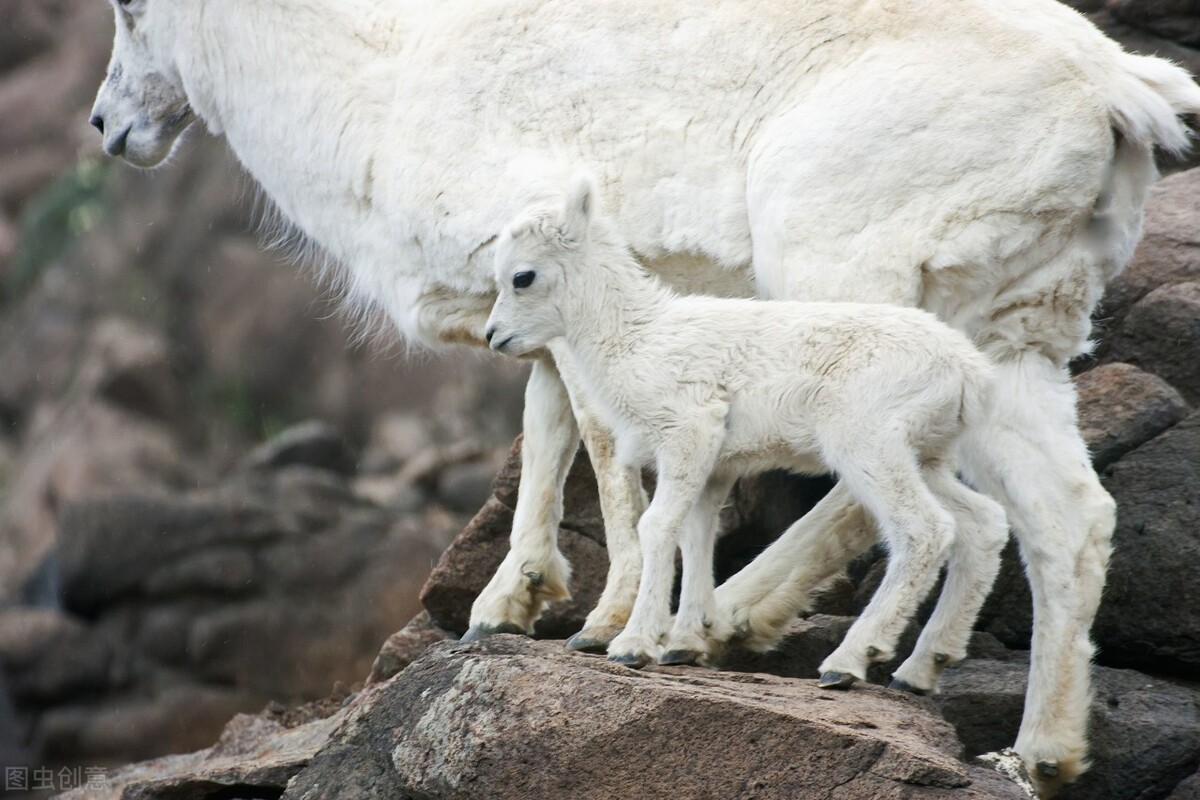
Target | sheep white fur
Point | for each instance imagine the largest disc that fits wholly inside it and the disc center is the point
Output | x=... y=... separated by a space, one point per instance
x=985 y=160
x=707 y=390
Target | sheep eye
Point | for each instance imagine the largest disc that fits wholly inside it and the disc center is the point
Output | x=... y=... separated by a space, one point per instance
x=522 y=280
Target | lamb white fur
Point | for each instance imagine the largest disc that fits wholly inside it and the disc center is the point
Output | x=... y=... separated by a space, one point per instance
x=986 y=160
x=707 y=390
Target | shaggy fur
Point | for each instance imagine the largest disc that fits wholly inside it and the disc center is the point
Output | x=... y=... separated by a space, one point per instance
x=707 y=390
x=987 y=160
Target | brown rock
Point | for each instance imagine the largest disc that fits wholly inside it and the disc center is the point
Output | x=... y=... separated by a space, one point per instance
x=520 y=719
x=254 y=754
x=1168 y=253
x=313 y=444
x=1161 y=334
x=1121 y=407
x=405 y=646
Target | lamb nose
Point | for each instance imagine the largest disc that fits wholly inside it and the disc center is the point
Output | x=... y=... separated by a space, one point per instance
x=489 y=333
x=97 y=122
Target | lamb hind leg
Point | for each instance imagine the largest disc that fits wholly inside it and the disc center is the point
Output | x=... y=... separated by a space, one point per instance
x=981 y=531
x=534 y=572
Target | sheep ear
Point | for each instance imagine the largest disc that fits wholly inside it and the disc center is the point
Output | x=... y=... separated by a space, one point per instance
x=577 y=210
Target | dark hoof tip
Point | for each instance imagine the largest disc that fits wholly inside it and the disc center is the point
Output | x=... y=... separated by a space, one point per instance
x=631 y=660
x=836 y=680
x=1047 y=769
x=905 y=686
x=477 y=632
x=587 y=644
x=678 y=658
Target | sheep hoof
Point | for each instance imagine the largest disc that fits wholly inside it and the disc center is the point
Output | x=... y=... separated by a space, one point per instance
x=836 y=680
x=631 y=660
x=1047 y=769
x=905 y=686
x=592 y=641
x=477 y=632
x=678 y=658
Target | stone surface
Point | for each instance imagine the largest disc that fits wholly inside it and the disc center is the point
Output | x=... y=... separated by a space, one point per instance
x=1121 y=407
x=520 y=719
x=405 y=646
x=1162 y=334
x=1169 y=251
x=1145 y=732
x=255 y=757
x=1189 y=789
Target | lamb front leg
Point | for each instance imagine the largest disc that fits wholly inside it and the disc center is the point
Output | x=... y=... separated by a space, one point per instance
x=534 y=572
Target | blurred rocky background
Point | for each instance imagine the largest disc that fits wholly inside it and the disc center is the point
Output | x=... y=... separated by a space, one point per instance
x=216 y=501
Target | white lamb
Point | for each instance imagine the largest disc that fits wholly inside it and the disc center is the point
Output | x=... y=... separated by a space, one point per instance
x=707 y=390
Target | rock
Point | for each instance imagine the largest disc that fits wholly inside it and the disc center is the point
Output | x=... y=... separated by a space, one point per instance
x=132 y=368
x=1150 y=614
x=1177 y=20
x=1121 y=407
x=1162 y=335
x=255 y=757
x=47 y=656
x=313 y=443
x=1169 y=251
x=515 y=718
x=466 y=487
x=1144 y=732
x=1189 y=789
x=405 y=646
x=394 y=439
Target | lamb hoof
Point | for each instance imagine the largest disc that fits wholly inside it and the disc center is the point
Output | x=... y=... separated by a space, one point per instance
x=905 y=686
x=678 y=658
x=478 y=632
x=631 y=660
x=586 y=642
x=836 y=680
x=1047 y=769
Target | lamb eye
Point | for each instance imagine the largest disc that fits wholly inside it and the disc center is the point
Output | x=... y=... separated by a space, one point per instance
x=522 y=280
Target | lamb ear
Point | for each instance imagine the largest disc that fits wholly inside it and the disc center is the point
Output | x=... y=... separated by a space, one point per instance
x=578 y=209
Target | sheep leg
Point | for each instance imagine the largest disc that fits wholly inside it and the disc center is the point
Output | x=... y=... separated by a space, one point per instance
x=696 y=622
x=758 y=602
x=622 y=501
x=683 y=473
x=1032 y=459
x=980 y=533
x=534 y=572
x=917 y=531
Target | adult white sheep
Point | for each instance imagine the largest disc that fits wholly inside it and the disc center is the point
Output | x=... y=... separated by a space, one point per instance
x=707 y=390
x=985 y=160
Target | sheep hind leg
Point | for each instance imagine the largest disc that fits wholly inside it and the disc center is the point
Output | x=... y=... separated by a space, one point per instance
x=535 y=572
x=1031 y=457
x=918 y=532
x=980 y=533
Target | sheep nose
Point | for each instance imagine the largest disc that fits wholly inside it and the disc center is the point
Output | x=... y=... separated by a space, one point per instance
x=489 y=333
x=97 y=122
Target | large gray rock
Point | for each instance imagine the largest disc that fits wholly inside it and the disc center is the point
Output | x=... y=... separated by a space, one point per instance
x=1144 y=732
x=511 y=718
x=1177 y=20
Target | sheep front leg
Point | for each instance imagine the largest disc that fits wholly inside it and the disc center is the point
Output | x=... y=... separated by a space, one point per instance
x=534 y=572
x=622 y=501
x=697 y=625
x=682 y=476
